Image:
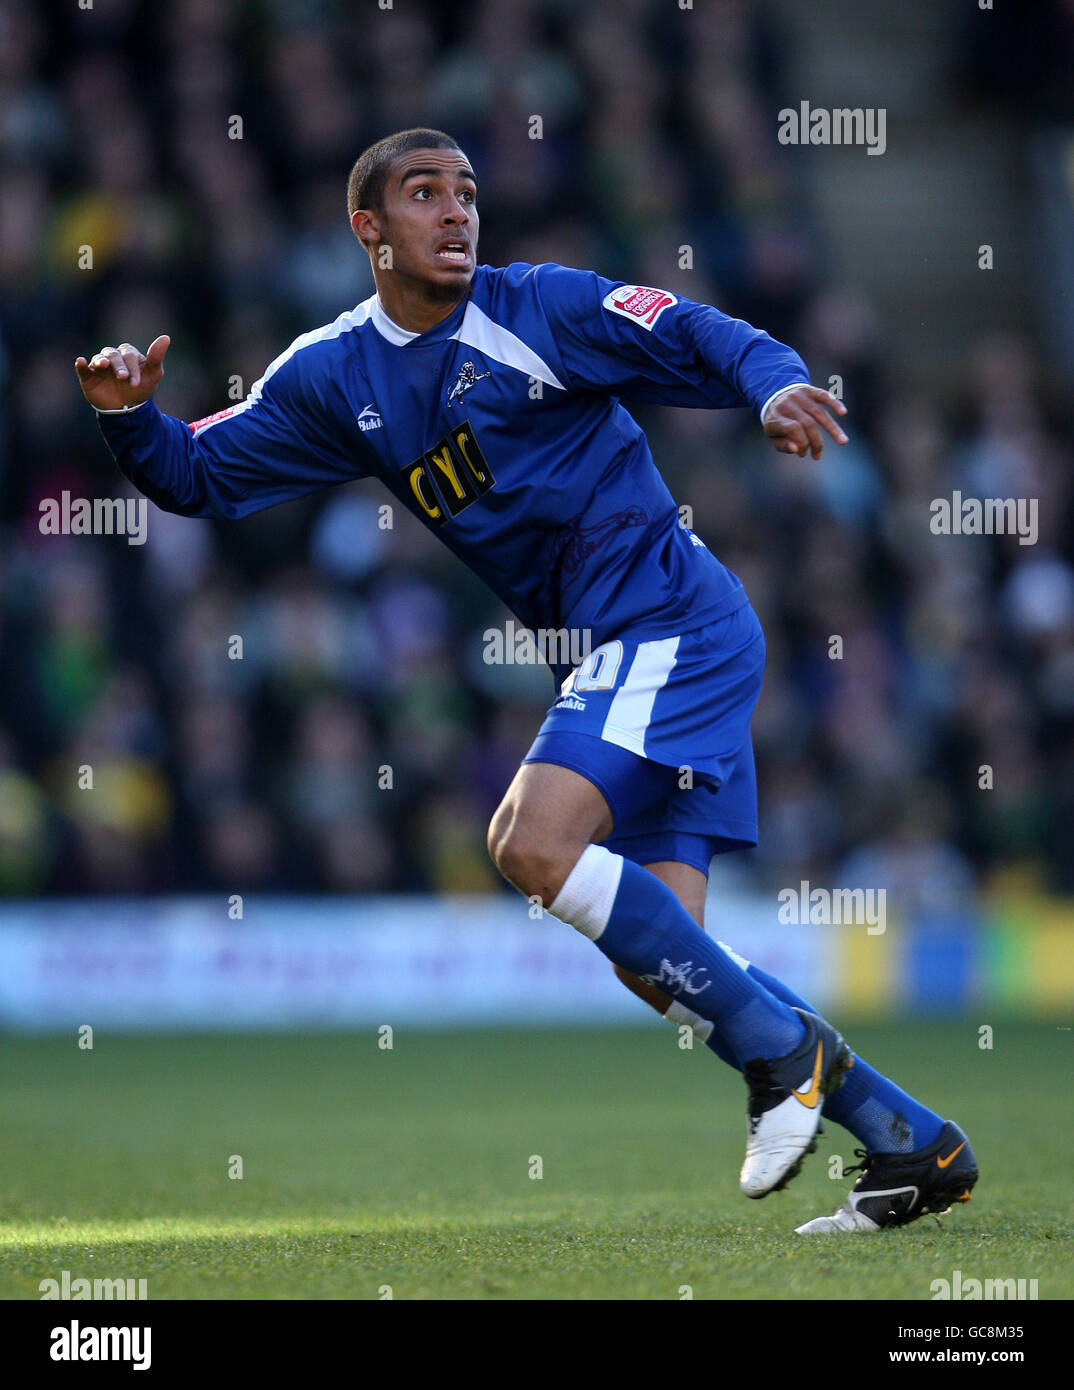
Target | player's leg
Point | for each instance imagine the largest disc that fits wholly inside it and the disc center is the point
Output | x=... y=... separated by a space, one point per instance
x=541 y=839
x=690 y=886
x=638 y=719
x=880 y=1114
x=701 y=816
x=885 y=1118
x=694 y=823
x=914 y=1161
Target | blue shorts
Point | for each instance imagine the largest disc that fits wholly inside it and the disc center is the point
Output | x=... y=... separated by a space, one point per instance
x=662 y=729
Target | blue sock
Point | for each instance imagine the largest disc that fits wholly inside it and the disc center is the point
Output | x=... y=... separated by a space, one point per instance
x=871 y=1107
x=639 y=923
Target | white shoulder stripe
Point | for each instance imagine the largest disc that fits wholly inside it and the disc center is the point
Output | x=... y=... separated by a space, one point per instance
x=353 y=318
x=477 y=330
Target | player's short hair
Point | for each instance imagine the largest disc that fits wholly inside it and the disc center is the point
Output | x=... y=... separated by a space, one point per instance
x=365 y=187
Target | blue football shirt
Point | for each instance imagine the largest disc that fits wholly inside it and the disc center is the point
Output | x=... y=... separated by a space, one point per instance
x=501 y=430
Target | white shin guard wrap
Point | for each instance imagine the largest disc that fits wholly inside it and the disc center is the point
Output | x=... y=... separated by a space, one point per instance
x=586 y=899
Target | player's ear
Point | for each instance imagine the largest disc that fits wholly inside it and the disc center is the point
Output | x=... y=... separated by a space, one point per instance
x=365 y=226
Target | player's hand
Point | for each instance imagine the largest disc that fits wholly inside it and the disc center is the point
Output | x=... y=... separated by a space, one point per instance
x=115 y=377
x=794 y=421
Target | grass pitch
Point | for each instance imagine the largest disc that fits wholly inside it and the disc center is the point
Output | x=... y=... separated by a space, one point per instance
x=411 y=1168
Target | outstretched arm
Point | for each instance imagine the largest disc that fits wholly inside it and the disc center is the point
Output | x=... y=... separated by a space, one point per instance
x=657 y=346
x=284 y=441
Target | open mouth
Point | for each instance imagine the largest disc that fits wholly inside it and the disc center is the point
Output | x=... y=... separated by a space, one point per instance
x=455 y=252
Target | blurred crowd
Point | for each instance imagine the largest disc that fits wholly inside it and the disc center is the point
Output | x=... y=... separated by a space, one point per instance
x=355 y=739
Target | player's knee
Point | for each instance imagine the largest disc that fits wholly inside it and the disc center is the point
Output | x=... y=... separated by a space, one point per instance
x=497 y=830
x=506 y=845
x=535 y=862
x=515 y=854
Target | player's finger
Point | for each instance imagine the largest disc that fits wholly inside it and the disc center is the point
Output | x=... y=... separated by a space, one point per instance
x=827 y=423
x=807 y=433
x=812 y=434
x=154 y=354
x=816 y=393
x=110 y=357
x=120 y=367
x=810 y=431
x=797 y=433
x=133 y=359
x=83 y=368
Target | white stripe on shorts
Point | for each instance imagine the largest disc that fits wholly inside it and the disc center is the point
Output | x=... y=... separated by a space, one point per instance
x=632 y=704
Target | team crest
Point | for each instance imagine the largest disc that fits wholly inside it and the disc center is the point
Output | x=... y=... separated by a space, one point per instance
x=466 y=378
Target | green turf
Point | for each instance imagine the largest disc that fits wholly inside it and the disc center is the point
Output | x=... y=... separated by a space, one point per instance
x=411 y=1167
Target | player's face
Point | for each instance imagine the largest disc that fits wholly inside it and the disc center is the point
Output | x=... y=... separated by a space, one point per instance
x=430 y=220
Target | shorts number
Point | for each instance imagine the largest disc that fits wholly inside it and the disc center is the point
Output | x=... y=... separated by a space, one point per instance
x=600 y=668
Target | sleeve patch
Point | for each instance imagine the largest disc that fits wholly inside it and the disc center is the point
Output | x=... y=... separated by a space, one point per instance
x=639 y=302
x=196 y=425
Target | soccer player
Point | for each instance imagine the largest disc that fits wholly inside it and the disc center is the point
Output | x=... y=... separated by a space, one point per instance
x=485 y=400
